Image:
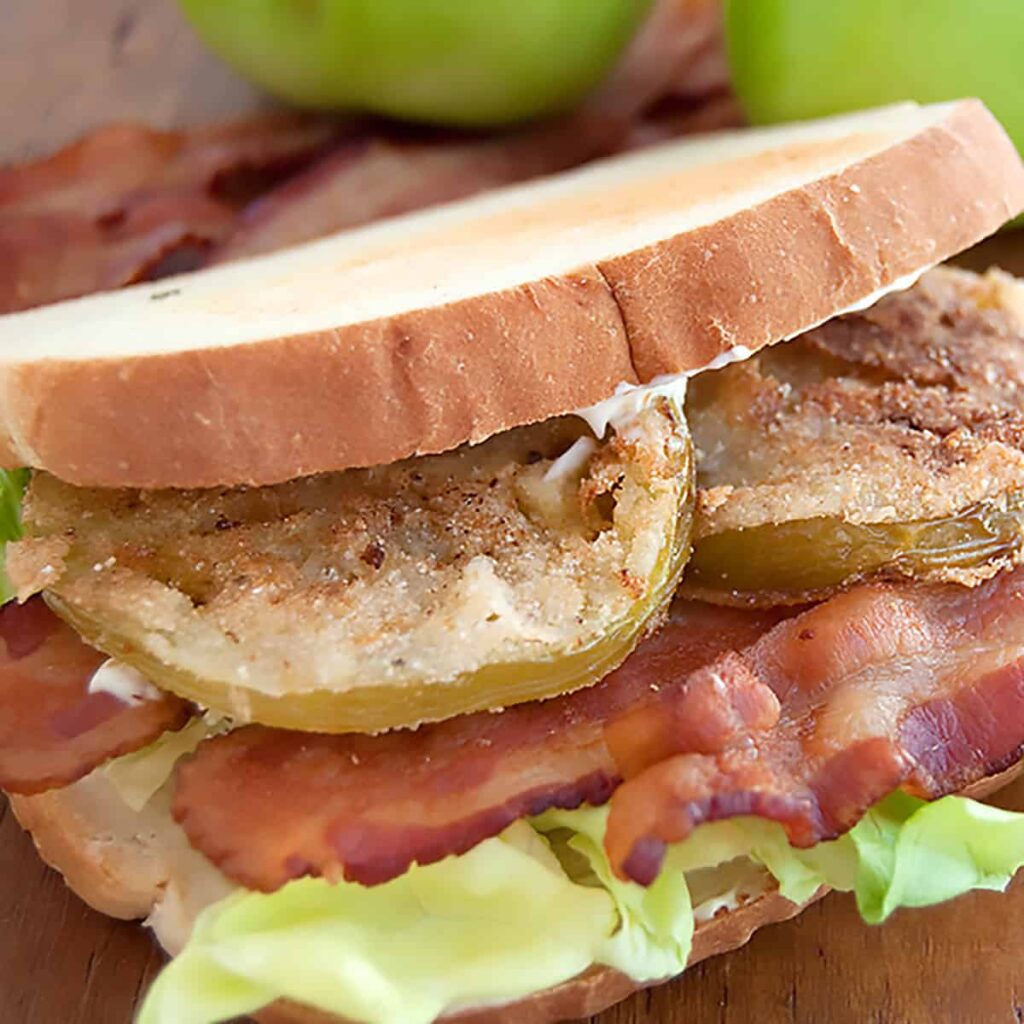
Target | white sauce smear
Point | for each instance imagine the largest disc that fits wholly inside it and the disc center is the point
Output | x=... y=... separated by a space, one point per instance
x=122 y=681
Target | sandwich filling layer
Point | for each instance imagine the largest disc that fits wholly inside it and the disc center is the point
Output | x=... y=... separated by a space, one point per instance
x=847 y=651
x=886 y=444
x=539 y=905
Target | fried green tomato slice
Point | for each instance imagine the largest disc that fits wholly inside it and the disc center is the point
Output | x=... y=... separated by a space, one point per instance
x=883 y=444
x=524 y=567
x=780 y=563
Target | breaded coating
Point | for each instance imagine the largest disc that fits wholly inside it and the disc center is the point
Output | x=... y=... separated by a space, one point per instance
x=392 y=586
x=910 y=410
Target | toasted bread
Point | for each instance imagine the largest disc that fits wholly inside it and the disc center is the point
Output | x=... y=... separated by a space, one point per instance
x=422 y=332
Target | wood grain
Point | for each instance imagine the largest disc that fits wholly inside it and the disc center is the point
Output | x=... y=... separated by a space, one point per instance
x=68 y=65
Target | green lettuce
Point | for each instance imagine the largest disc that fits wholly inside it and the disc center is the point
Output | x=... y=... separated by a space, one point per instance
x=540 y=904
x=138 y=776
x=488 y=926
x=913 y=854
x=12 y=488
x=654 y=926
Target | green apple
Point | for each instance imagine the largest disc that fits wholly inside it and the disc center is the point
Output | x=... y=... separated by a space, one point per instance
x=795 y=59
x=460 y=62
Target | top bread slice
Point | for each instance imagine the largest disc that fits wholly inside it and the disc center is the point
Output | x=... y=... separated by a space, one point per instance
x=422 y=332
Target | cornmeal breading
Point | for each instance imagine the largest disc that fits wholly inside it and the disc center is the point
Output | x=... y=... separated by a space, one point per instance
x=402 y=580
x=885 y=443
x=909 y=410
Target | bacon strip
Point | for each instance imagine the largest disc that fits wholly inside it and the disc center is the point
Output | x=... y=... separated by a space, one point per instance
x=878 y=688
x=108 y=209
x=52 y=731
x=269 y=805
x=807 y=721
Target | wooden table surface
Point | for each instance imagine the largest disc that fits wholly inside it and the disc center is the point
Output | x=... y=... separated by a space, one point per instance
x=68 y=65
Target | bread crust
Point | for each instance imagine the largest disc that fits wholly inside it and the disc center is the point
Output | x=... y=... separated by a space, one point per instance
x=121 y=863
x=118 y=879
x=428 y=379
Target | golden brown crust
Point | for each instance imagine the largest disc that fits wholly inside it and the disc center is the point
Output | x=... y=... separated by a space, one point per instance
x=907 y=411
x=807 y=254
x=126 y=878
x=430 y=378
x=866 y=448
x=372 y=600
x=76 y=830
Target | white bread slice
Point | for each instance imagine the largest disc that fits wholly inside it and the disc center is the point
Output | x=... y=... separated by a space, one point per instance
x=419 y=333
x=135 y=864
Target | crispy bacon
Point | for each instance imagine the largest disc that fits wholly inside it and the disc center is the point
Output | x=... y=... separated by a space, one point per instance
x=699 y=97
x=878 y=688
x=678 y=51
x=52 y=731
x=807 y=720
x=268 y=805
x=106 y=210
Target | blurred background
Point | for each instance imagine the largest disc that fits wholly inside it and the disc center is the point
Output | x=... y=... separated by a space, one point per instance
x=459 y=62
x=208 y=130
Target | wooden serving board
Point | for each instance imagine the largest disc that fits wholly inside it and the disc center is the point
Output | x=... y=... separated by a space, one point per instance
x=69 y=65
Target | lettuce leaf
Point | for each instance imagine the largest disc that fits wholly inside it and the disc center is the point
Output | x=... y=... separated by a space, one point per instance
x=510 y=917
x=138 y=776
x=12 y=487
x=491 y=925
x=913 y=854
x=655 y=925
x=904 y=852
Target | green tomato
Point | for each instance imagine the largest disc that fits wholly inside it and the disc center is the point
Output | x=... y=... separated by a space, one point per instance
x=795 y=59
x=461 y=62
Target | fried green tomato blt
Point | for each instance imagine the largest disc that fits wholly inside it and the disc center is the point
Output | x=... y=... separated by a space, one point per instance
x=524 y=567
x=884 y=444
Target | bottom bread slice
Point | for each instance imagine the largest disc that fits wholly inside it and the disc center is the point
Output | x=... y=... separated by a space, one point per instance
x=130 y=864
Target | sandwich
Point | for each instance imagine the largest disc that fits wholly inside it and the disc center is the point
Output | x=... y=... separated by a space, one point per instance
x=486 y=613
